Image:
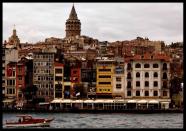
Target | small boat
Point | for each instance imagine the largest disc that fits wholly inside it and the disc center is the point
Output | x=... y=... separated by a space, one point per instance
x=29 y=121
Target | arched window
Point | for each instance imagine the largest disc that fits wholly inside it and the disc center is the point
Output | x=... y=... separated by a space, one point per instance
x=146 y=93
x=164 y=84
x=146 y=74
x=146 y=66
x=146 y=84
x=137 y=93
x=164 y=75
x=155 y=84
x=128 y=84
x=155 y=74
x=129 y=75
x=155 y=65
x=155 y=93
x=137 y=83
x=137 y=74
x=138 y=65
x=164 y=93
x=129 y=67
x=164 y=66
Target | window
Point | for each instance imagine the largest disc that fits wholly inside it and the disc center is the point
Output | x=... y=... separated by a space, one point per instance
x=146 y=66
x=137 y=83
x=128 y=84
x=102 y=83
x=74 y=72
x=104 y=70
x=118 y=85
x=164 y=66
x=129 y=76
x=104 y=76
x=20 y=78
x=155 y=83
x=58 y=87
x=146 y=84
x=129 y=66
x=137 y=93
x=100 y=89
x=146 y=93
x=138 y=65
x=59 y=71
x=13 y=73
x=58 y=78
x=128 y=93
x=155 y=65
x=108 y=89
x=155 y=93
x=137 y=74
x=164 y=93
x=164 y=84
x=146 y=74
x=118 y=78
x=164 y=75
x=155 y=74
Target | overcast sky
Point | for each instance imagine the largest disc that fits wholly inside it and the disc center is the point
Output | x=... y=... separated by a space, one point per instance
x=103 y=21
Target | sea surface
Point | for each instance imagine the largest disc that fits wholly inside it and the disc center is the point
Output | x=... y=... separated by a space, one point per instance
x=107 y=120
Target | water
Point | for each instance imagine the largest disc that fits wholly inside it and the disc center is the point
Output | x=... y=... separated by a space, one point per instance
x=109 y=120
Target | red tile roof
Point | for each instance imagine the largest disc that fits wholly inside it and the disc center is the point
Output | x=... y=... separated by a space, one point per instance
x=149 y=56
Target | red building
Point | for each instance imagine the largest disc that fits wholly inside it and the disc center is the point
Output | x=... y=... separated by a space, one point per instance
x=20 y=79
x=75 y=79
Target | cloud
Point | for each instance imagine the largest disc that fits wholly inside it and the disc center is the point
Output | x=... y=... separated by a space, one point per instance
x=103 y=21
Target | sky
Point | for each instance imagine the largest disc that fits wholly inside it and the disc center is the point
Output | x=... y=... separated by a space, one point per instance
x=111 y=22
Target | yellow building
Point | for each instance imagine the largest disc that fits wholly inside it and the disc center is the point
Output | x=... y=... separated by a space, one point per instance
x=104 y=84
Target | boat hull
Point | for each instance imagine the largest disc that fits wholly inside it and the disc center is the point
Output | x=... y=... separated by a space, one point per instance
x=43 y=124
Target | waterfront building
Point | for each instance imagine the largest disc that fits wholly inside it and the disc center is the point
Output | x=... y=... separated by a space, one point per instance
x=147 y=78
x=10 y=83
x=43 y=74
x=20 y=79
x=104 y=81
x=75 y=79
x=58 y=80
x=118 y=78
x=24 y=79
x=3 y=71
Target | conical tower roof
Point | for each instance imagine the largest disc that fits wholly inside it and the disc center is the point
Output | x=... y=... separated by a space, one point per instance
x=73 y=14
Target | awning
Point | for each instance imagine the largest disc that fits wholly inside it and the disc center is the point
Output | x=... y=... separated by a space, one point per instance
x=153 y=102
x=8 y=100
x=108 y=101
x=142 y=101
x=44 y=103
x=66 y=101
x=132 y=101
x=77 y=101
x=165 y=102
x=57 y=101
x=88 y=101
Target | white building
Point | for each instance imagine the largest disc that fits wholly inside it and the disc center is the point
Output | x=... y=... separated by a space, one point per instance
x=147 y=77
